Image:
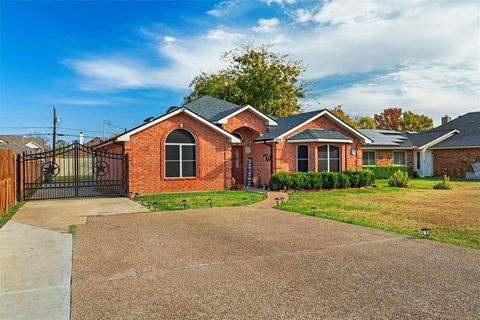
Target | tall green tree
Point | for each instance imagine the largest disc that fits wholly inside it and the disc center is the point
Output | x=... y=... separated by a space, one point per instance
x=345 y=117
x=415 y=122
x=256 y=76
x=389 y=119
x=366 y=122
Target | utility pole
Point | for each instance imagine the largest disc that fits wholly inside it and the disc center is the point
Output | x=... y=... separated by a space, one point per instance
x=54 y=133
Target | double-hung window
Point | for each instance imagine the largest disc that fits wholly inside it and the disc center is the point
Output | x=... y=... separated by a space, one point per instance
x=399 y=158
x=180 y=155
x=302 y=158
x=369 y=159
x=329 y=158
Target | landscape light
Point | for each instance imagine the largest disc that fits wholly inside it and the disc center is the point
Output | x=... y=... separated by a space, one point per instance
x=290 y=194
x=265 y=194
x=426 y=232
x=209 y=202
x=282 y=199
x=314 y=210
x=277 y=200
x=141 y=199
x=253 y=199
x=244 y=201
x=184 y=203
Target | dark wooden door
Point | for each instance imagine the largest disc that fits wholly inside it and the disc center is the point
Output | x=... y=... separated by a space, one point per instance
x=237 y=164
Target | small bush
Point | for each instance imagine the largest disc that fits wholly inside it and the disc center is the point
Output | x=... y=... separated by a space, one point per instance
x=399 y=179
x=320 y=180
x=387 y=172
x=444 y=184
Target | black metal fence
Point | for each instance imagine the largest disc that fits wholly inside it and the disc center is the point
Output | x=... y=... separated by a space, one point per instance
x=74 y=171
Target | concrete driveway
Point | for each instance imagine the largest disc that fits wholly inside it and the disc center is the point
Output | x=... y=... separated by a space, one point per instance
x=258 y=262
x=36 y=255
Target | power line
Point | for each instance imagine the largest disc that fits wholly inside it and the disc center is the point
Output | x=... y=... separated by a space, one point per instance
x=60 y=127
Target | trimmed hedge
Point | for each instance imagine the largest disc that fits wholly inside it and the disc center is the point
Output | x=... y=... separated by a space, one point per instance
x=387 y=172
x=321 y=180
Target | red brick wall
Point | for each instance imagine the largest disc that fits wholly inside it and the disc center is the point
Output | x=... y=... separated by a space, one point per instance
x=286 y=151
x=246 y=119
x=454 y=162
x=147 y=166
x=385 y=157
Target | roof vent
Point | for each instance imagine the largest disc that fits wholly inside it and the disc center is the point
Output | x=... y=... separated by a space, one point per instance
x=172 y=108
x=148 y=119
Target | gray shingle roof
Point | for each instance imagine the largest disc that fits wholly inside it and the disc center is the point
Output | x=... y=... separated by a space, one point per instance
x=469 y=127
x=419 y=139
x=309 y=134
x=211 y=108
x=287 y=123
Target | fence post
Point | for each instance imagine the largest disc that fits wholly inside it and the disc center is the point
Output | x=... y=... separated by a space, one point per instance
x=15 y=182
x=6 y=195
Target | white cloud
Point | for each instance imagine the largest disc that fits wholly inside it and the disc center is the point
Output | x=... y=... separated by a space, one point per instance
x=82 y=102
x=433 y=46
x=169 y=39
x=303 y=15
x=215 y=12
x=266 y=25
x=280 y=2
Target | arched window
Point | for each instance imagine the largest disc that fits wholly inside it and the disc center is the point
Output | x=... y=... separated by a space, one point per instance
x=302 y=158
x=329 y=158
x=180 y=154
x=236 y=134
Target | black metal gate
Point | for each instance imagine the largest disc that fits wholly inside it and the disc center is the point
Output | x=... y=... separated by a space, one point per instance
x=74 y=171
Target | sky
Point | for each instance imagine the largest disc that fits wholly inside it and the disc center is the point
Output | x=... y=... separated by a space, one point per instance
x=121 y=62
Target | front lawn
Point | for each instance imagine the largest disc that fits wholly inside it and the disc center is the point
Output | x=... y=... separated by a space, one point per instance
x=173 y=201
x=10 y=213
x=453 y=215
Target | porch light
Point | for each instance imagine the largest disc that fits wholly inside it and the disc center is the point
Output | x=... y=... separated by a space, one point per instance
x=314 y=210
x=277 y=200
x=244 y=201
x=209 y=202
x=184 y=203
x=253 y=199
x=426 y=232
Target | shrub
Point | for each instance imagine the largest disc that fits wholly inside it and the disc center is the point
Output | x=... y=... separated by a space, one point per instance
x=444 y=184
x=387 y=172
x=399 y=179
x=320 y=180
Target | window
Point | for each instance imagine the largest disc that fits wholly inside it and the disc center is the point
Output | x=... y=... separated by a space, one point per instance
x=418 y=160
x=236 y=134
x=399 y=158
x=302 y=158
x=369 y=158
x=180 y=155
x=329 y=158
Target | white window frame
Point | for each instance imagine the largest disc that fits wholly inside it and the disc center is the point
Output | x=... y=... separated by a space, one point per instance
x=180 y=156
x=375 y=159
x=404 y=156
x=308 y=156
x=329 y=159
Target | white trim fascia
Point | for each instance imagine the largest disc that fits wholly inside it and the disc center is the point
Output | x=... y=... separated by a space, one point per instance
x=440 y=139
x=327 y=113
x=269 y=120
x=126 y=136
x=387 y=148
x=443 y=148
x=321 y=140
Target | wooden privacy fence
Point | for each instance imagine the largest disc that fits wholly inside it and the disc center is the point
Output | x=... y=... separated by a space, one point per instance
x=9 y=179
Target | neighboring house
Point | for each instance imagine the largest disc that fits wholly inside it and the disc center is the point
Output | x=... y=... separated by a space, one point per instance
x=19 y=143
x=449 y=149
x=209 y=143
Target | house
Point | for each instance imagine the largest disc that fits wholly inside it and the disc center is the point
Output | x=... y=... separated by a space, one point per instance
x=19 y=143
x=209 y=144
x=450 y=148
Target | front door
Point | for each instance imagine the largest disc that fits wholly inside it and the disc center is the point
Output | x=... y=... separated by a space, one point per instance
x=237 y=164
x=427 y=164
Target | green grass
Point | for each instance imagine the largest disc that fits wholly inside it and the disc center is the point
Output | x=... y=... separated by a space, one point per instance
x=11 y=212
x=452 y=215
x=195 y=200
x=72 y=229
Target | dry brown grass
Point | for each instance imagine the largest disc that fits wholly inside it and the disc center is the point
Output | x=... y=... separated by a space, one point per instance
x=453 y=215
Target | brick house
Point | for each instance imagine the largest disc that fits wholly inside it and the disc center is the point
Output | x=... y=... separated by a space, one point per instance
x=209 y=143
x=450 y=148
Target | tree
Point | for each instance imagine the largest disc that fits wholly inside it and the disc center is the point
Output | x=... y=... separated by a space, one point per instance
x=342 y=115
x=415 y=122
x=256 y=76
x=389 y=119
x=61 y=143
x=366 y=122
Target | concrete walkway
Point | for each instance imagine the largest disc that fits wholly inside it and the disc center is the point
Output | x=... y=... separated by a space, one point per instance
x=36 y=255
